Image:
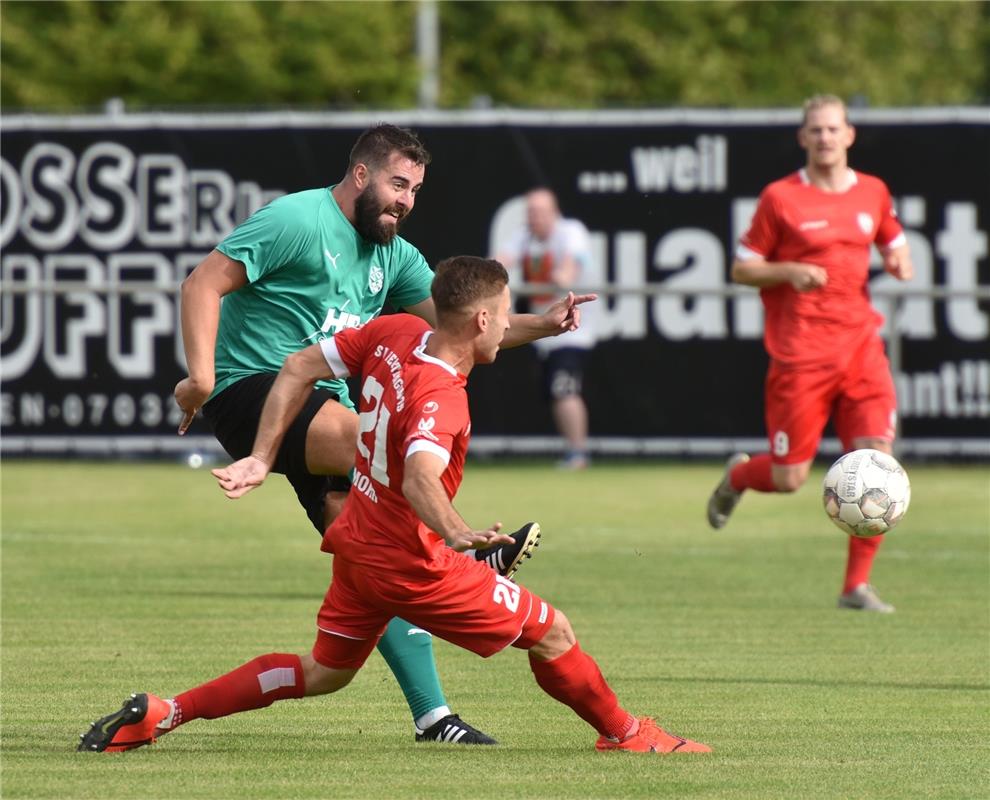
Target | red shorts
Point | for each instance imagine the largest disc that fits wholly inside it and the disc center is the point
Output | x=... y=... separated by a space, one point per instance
x=464 y=602
x=859 y=397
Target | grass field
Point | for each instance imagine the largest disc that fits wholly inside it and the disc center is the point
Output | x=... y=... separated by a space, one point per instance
x=135 y=577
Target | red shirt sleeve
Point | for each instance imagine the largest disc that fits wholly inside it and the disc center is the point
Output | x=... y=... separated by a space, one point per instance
x=762 y=236
x=890 y=226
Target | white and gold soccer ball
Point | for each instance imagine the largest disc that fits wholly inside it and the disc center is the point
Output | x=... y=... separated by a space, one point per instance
x=866 y=492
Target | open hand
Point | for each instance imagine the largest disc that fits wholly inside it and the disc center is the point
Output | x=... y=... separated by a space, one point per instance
x=479 y=540
x=241 y=477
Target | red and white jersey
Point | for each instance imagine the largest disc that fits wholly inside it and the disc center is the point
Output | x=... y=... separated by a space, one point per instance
x=409 y=401
x=796 y=221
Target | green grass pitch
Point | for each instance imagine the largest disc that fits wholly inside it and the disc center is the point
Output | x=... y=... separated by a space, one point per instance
x=143 y=577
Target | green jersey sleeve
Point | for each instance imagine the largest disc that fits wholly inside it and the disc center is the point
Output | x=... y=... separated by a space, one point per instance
x=413 y=276
x=272 y=237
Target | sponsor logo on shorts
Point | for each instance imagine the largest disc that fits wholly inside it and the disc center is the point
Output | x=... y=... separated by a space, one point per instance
x=544 y=611
x=431 y=407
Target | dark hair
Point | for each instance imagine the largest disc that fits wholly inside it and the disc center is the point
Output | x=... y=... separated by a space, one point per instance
x=376 y=145
x=461 y=281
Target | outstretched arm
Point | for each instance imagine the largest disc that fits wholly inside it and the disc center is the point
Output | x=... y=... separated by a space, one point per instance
x=216 y=276
x=285 y=400
x=561 y=317
x=422 y=488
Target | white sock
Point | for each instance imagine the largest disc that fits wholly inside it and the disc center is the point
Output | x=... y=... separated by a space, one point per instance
x=431 y=718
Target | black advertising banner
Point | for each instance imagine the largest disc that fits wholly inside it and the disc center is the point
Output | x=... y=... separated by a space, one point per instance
x=102 y=217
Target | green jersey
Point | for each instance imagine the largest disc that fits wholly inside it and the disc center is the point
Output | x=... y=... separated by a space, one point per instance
x=310 y=274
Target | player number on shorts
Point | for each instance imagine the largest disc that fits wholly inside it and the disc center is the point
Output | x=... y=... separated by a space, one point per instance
x=506 y=593
x=376 y=419
x=781 y=444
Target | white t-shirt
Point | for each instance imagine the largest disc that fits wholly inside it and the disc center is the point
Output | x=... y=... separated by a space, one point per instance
x=532 y=260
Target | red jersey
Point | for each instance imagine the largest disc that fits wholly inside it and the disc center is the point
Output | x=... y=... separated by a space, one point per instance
x=409 y=401
x=796 y=221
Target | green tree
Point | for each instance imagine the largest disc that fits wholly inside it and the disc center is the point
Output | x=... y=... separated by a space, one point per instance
x=600 y=54
x=336 y=54
x=72 y=55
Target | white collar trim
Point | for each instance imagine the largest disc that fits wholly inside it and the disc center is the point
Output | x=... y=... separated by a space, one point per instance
x=851 y=178
x=420 y=352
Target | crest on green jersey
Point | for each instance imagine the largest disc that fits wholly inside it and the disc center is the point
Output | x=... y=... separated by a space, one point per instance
x=375 y=279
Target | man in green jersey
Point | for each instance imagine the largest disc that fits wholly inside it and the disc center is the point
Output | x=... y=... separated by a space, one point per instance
x=297 y=271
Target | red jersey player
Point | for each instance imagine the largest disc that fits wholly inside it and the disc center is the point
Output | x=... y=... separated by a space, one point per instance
x=808 y=251
x=399 y=543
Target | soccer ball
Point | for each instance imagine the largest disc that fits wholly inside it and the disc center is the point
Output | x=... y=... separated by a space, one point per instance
x=866 y=492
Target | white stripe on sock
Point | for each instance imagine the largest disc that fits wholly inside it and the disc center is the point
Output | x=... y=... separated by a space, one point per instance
x=276 y=678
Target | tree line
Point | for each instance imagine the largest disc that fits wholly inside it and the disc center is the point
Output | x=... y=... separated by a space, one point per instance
x=60 y=56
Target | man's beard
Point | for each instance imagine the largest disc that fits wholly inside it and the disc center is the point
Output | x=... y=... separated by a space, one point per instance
x=368 y=210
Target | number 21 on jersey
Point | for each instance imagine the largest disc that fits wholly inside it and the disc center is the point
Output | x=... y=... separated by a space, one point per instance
x=375 y=419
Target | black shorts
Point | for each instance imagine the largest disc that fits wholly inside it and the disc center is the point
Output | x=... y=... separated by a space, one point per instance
x=563 y=372
x=234 y=415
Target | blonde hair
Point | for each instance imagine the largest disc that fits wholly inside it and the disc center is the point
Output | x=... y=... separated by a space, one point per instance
x=817 y=101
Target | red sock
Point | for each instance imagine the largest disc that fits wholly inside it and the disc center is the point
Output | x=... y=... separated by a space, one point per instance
x=862 y=551
x=575 y=680
x=257 y=684
x=757 y=473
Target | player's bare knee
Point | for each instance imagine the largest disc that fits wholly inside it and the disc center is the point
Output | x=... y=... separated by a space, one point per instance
x=323 y=680
x=558 y=639
x=883 y=445
x=789 y=480
x=789 y=484
x=330 y=440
